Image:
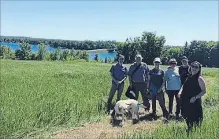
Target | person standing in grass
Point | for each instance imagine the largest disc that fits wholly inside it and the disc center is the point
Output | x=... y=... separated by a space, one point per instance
x=173 y=85
x=184 y=69
x=138 y=79
x=192 y=91
x=156 y=84
x=118 y=73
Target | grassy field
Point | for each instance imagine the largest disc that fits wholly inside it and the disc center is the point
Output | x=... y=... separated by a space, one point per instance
x=37 y=96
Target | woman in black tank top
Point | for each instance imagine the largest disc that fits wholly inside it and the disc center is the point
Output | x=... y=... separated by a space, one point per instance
x=191 y=93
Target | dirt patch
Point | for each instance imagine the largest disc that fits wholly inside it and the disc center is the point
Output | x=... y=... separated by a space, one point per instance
x=104 y=130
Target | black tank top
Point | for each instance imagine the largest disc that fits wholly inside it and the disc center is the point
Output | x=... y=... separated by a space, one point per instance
x=191 y=87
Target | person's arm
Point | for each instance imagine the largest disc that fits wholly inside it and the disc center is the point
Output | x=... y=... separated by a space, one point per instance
x=163 y=84
x=111 y=74
x=201 y=83
x=126 y=73
x=148 y=82
x=129 y=75
x=180 y=91
x=123 y=79
x=165 y=80
x=148 y=76
x=113 y=78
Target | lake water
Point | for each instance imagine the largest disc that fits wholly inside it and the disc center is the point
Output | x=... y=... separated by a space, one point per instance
x=101 y=55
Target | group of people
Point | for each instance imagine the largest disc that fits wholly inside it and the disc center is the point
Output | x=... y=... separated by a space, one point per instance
x=185 y=83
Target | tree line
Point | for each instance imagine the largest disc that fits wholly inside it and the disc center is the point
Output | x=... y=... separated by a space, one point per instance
x=25 y=53
x=66 y=44
x=149 y=45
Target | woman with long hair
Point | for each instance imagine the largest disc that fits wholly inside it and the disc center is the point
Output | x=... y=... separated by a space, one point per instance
x=191 y=92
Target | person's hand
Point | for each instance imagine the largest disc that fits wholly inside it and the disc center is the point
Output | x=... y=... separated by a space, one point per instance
x=159 y=90
x=119 y=82
x=147 y=90
x=193 y=99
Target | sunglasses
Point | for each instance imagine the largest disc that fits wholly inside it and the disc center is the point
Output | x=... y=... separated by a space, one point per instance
x=196 y=67
x=157 y=62
x=172 y=63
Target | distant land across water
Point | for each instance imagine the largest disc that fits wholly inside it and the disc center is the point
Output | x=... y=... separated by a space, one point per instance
x=102 y=53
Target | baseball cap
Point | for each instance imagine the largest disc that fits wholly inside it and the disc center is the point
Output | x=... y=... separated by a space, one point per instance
x=157 y=59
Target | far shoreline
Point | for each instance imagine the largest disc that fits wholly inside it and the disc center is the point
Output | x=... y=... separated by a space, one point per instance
x=98 y=50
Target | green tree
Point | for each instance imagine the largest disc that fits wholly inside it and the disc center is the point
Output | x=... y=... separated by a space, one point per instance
x=25 y=51
x=42 y=51
x=148 y=45
x=6 y=53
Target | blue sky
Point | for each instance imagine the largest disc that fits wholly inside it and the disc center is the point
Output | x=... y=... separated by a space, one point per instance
x=110 y=20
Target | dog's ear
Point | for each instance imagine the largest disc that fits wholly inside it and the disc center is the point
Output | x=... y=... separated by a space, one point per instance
x=126 y=111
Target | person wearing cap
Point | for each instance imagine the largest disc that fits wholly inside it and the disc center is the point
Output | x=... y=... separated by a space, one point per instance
x=138 y=79
x=156 y=84
x=173 y=85
x=118 y=73
x=184 y=69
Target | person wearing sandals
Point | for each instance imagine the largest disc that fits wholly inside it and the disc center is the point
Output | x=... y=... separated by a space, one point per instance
x=156 y=83
x=173 y=85
x=191 y=92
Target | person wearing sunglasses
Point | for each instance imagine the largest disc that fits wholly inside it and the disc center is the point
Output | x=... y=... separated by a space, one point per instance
x=192 y=91
x=173 y=85
x=156 y=84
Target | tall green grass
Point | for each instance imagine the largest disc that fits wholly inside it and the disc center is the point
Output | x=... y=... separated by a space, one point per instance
x=41 y=94
x=44 y=94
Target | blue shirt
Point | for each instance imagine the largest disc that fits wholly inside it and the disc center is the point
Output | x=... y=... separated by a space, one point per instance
x=119 y=71
x=141 y=74
x=156 y=78
x=172 y=78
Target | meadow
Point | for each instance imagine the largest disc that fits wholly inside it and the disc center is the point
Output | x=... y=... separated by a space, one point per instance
x=37 y=96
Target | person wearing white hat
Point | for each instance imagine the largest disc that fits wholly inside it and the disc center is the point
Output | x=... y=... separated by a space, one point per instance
x=156 y=84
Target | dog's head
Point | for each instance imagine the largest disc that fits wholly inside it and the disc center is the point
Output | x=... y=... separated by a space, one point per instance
x=116 y=119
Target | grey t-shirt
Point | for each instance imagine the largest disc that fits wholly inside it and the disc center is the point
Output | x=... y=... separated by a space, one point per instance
x=156 y=78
